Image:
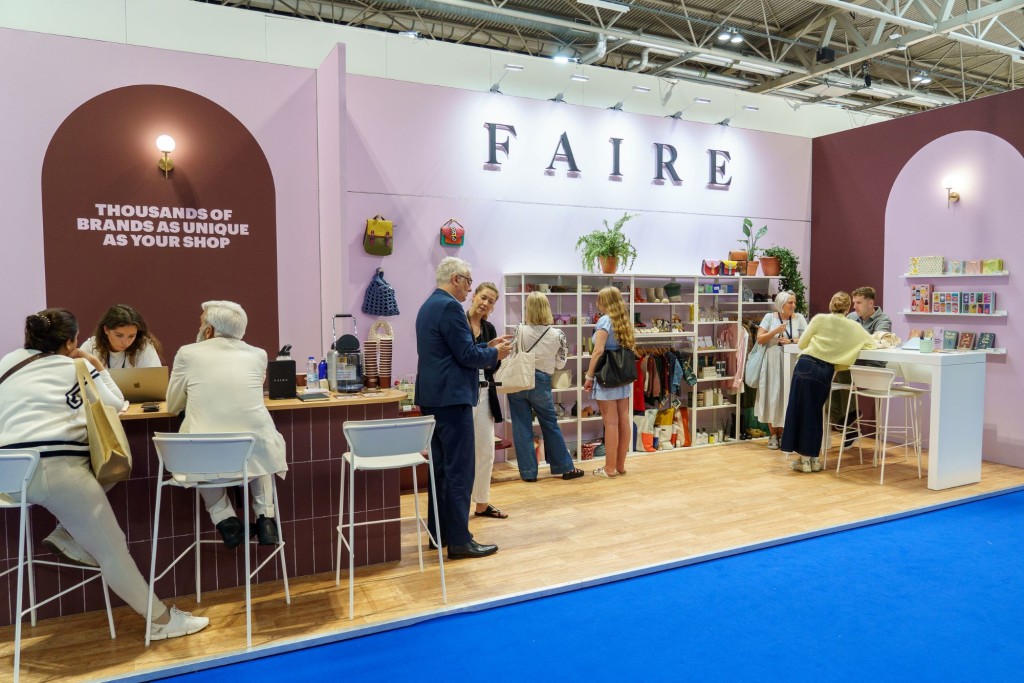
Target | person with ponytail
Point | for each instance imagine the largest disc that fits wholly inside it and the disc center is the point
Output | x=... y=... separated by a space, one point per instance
x=41 y=408
x=613 y=330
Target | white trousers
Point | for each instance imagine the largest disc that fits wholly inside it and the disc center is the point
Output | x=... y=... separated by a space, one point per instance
x=261 y=490
x=483 y=435
x=66 y=487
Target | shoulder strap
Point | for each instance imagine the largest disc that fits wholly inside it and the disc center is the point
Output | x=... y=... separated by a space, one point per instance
x=537 y=341
x=22 y=364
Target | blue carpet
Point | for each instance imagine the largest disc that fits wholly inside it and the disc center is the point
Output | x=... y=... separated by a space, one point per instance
x=937 y=596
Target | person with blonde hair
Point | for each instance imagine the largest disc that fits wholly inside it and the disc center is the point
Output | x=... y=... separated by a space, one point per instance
x=613 y=331
x=550 y=352
x=487 y=411
x=781 y=327
x=831 y=342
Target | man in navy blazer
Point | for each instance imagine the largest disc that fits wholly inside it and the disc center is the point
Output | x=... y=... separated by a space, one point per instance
x=447 y=387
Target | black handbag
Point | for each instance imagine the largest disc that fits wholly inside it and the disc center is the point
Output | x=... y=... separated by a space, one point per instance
x=616 y=368
x=380 y=297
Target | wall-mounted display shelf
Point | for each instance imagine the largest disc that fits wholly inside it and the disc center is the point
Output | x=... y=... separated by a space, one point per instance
x=994 y=314
x=698 y=314
x=1001 y=273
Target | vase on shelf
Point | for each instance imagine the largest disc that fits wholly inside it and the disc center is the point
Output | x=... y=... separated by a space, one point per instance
x=609 y=264
x=770 y=265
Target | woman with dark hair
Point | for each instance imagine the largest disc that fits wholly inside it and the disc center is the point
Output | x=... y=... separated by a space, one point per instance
x=123 y=340
x=41 y=409
x=487 y=411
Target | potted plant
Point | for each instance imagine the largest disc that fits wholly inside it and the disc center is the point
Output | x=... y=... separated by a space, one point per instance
x=610 y=246
x=789 y=275
x=749 y=241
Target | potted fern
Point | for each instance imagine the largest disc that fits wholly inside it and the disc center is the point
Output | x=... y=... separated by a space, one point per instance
x=789 y=275
x=749 y=241
x=609 y=246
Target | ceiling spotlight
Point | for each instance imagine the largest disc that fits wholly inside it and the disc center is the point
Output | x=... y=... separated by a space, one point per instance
x=724 y=35
x=736 y=37
x=564 y=59
x=750 y=107
x=508 y=68
x=696 y=100
x=922 y=78
x=578 y=78
x=895 y=35
x=636 y=88
x=413 y=35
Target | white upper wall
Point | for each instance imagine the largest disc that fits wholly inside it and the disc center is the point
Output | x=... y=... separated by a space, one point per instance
x=210 y=29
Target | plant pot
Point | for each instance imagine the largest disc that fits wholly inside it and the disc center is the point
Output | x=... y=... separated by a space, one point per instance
x=609 y=264
x=751 y=268
x=770 y=265
x=740 y=255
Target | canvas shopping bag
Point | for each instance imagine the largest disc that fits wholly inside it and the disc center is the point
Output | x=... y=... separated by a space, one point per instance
x=108 y=444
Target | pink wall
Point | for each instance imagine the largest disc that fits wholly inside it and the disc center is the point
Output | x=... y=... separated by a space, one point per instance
x=45 y=77
x=878 y=198
x=417 y=155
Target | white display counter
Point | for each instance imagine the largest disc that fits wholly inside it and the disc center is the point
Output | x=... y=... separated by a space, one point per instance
x=957 y=409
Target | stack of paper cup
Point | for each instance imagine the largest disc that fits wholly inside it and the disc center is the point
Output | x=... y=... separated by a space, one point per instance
x=384 y=367
x=370 y=370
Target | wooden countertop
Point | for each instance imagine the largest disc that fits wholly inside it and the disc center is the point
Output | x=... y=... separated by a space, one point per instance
x=385 y=396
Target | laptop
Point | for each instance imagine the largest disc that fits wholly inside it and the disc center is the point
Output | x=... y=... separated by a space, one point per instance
x=141 y=384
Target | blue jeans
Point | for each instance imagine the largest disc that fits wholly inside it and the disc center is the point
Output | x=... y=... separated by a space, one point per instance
x=555 y=451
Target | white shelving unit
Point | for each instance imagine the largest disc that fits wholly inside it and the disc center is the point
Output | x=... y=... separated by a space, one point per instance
x=979 y=316
x=573 y=299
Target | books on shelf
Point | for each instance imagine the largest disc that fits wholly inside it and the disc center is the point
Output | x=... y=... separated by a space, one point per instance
x=921 y=298
x=986 y=340
x=950 y=339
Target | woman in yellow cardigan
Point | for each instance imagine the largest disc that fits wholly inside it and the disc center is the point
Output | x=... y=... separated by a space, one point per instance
x=830 y=343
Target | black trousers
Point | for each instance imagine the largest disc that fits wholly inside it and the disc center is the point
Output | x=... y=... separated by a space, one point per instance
x=454 y=455
x=812 y=381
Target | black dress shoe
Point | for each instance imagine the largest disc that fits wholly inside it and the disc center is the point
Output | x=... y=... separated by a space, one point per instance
x=265 y=529
x=232 y=532
x=471 y=549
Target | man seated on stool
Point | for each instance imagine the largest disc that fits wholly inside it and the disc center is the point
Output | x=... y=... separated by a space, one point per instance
x=219 y=379
x=872 y=319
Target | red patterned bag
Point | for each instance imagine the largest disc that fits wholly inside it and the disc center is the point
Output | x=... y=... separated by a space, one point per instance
x=453 y=234
x=710 y=267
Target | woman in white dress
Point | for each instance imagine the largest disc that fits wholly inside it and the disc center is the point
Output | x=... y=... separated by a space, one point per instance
x=779 y=328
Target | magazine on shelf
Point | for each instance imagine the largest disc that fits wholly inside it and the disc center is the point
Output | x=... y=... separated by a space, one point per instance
x=987 y=340
x=950 y=339
x=966 y=342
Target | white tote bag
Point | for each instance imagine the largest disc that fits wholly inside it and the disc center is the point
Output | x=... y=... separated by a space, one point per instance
x=517 y=371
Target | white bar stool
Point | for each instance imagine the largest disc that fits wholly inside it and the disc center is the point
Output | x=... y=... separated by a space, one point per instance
x=827 y=424
x=385 y=445
x=211 y=461
x=17 y=466
x=877 y=384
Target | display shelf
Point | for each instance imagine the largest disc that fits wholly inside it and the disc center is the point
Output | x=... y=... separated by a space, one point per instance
x=714 y=379
x=996 y=314
x=581 y=305
x=908 y=276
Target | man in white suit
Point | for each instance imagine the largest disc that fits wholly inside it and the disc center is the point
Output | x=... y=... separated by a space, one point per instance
x=219 y=379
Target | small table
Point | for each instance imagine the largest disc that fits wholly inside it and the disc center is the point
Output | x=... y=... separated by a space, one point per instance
x=957 y=409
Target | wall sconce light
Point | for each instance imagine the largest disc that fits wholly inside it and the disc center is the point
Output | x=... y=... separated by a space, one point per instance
x=580 y=78
x=508 y=68
x=165 y=143
x=696 y=100
x=951 y=197
x=636 y=88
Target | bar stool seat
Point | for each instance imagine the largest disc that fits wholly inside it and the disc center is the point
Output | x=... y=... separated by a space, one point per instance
x=211 y=461
x=17 y=466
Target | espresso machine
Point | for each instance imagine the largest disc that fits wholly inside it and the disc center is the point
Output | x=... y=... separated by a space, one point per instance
x=344 y=361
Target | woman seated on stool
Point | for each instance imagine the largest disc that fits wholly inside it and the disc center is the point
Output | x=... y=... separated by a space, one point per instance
x=41 y=408
x=487 y=411
x=830 y=343
x=550 y=351
x=121 y=340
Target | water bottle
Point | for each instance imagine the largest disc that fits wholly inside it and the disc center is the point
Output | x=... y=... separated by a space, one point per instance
x=312 y=374
x=322 y=373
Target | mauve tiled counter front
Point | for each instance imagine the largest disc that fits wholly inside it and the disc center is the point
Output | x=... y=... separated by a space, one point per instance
x=309 y=510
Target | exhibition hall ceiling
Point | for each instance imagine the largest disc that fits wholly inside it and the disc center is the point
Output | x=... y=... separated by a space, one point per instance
x=889 y=57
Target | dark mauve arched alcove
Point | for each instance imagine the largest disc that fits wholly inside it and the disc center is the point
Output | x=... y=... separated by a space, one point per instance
x=104 y=155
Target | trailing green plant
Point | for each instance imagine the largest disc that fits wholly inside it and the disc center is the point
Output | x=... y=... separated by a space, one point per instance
x=607 y=243
x=789 y=275
x=750 y=238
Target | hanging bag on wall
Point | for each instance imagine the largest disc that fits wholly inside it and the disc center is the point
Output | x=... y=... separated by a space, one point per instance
x=453 y=234
x=379 y=299
x=517 y=371
x=616 y=368
x=379 y=238
x=108 y=444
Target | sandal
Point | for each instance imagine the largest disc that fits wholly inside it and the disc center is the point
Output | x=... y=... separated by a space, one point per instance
x=599 y=472
x=573 y=474
x=492 y=512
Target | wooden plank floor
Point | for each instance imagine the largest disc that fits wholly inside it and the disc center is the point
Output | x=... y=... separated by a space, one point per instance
x=672 y=505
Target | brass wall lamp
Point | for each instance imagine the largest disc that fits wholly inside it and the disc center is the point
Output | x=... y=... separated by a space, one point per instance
x=165 y=143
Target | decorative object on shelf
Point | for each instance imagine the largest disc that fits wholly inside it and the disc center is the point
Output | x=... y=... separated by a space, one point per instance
x=790 y=277
x=710 y=267
x=561 y=379
x=452 y=234
x=927 y=265
x=673 y=290
x=379 y=299
x=949 y=339
x=610 y=246
x=729 y=267
x=986 y=340
x=749 y=242
x=972 y=268
x=921 y=298
x=379 y=238
x=770 y=265
x=966 y=342
x=992 y=265
x=956 y=267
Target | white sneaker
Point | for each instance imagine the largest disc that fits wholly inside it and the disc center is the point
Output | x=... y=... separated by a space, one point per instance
x=773 y=443
x=61 y=544
x=801 y=465
x=815 y=465
x=181 y=624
